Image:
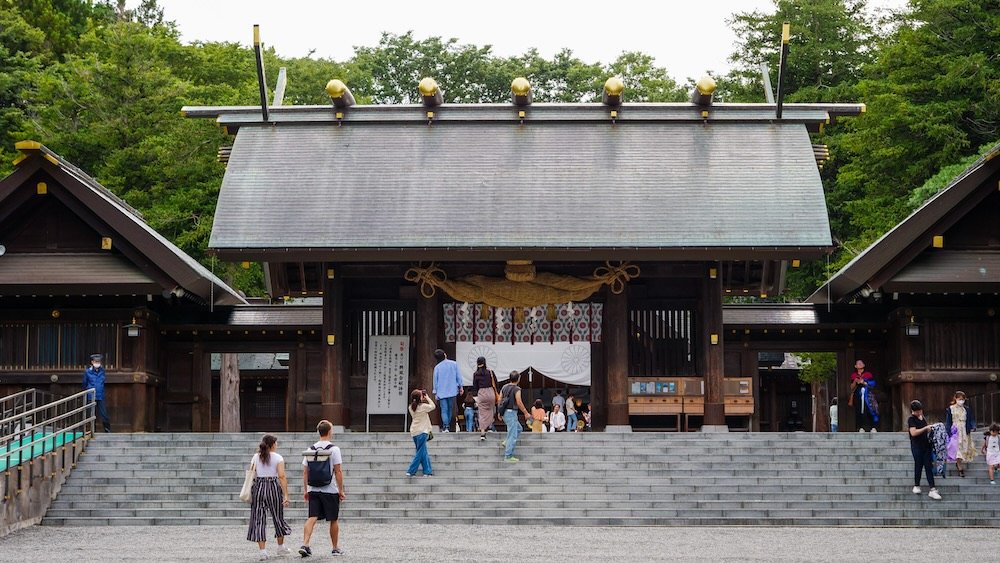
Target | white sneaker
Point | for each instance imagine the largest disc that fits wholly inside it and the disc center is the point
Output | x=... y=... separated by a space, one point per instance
x=916 y=490
x=861 y=430
x=282 y=550
x=934 y=494
x=263 y=556
x=874 y=430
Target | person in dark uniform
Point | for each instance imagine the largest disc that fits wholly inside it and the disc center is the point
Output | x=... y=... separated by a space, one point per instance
x=93 y=378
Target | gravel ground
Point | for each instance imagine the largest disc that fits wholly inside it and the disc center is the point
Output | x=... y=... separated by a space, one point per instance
x=393 y=542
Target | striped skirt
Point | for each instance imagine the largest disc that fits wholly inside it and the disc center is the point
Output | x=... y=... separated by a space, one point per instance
x=265 y=498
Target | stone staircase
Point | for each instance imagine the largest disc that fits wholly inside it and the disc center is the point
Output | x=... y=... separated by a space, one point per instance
x=638 y=479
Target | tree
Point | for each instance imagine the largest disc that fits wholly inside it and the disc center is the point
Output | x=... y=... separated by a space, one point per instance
x=830 y=44
x=933 y=96
x=21 y=59
x=61 y=21
x=817 y=368
x=645 y=82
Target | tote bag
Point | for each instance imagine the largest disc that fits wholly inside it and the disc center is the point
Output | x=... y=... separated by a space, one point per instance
x=245 y=495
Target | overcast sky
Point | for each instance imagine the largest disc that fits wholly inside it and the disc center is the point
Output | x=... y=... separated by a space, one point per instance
x=687 y=37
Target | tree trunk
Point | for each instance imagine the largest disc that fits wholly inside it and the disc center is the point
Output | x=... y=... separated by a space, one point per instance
x=229 y=394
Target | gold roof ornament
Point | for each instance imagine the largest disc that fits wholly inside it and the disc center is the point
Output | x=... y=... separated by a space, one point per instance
x=430 y=92
x=703 y=91
x=340 y=94
x=614 y=88
x=520 y=92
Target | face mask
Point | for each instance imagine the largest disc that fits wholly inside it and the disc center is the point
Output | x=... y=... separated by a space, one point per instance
x=97 y=365
x=960 y=402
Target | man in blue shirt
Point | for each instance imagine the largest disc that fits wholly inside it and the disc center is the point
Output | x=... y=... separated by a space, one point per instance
x=93 y=378
x=447 y=386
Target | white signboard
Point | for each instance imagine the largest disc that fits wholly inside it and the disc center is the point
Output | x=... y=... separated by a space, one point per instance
x=388 y=371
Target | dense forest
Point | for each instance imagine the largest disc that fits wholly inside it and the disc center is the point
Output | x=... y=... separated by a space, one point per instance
x=102 y=85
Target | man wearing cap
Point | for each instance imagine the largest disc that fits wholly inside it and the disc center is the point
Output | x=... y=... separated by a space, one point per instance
x=93 y=378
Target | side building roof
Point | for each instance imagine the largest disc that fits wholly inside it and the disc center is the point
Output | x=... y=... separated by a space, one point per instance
x=905 y=258
x=155 y=262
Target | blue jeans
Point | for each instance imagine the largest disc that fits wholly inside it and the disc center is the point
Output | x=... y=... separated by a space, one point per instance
x=447 y=410
x=421 y=457
x=571 y=422
x=513 y=431
x=470 y=418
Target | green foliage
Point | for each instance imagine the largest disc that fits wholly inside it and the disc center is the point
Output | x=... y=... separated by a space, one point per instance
x=818 y=367
x=830 y=44
x=933 y=95
x=21 y=60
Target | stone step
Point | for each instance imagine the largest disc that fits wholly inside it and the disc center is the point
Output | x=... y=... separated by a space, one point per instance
x=570 y=479
x=683 y=521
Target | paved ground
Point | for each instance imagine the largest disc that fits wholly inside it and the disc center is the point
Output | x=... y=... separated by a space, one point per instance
x=369 y=542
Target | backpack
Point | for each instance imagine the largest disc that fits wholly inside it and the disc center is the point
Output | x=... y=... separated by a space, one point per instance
x=320 y=474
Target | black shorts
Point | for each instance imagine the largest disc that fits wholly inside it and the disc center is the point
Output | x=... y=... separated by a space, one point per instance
x=324 y=506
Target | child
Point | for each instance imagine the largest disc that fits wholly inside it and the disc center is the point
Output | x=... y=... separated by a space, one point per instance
x=991 y=447
x=538 y=416
x=470 y=411
x=587 y=417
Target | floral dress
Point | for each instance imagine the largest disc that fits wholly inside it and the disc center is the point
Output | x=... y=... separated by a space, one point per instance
x=966 y=449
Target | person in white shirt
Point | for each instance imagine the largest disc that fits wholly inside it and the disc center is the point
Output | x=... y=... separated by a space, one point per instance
x=268 y=495
x=557 y=420
x=420 y=430
x=324 y=500
x=834 y=420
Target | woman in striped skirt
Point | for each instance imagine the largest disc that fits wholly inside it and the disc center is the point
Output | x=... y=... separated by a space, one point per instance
x=268 y=495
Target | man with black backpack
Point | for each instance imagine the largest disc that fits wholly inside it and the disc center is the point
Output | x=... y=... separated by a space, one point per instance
x=324 y=483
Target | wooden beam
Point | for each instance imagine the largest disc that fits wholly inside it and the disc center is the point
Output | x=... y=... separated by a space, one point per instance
x=279 y=88
x=229 y=394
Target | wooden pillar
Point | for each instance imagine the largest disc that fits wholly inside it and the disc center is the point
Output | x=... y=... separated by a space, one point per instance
x=139 y=413
x=229 y=394
x=332 y=391
x=711 y=344
x=616 y=357
x=201 y=373
x=428 y=320
x=295 y=362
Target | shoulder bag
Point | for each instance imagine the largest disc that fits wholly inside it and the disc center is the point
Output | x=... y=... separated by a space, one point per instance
x=245 y=492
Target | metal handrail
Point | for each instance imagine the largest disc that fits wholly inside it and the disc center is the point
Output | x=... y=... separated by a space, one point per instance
x=57 y=418
x=20 y=402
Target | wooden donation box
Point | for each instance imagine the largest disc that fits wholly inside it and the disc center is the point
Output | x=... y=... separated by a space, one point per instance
x=684 y=397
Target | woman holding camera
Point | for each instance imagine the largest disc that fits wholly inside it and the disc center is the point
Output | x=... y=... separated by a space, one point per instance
x=420 y=429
